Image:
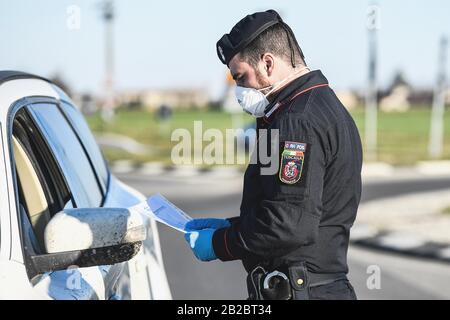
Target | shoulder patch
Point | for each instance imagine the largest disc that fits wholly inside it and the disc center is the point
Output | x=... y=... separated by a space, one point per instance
x=292 y=161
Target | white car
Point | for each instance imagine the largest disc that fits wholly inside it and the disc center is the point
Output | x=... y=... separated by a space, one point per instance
x=65 y=232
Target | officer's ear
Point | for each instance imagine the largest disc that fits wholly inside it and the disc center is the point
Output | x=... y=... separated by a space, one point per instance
x=268 y=63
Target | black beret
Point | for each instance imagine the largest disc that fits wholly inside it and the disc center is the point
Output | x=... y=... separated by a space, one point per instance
x=244 y=32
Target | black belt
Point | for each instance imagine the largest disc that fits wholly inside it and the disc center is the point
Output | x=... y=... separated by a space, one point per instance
x=287 y=282
x=314 y=279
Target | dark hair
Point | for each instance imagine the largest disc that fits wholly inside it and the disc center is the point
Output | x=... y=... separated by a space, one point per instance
x=275 y=40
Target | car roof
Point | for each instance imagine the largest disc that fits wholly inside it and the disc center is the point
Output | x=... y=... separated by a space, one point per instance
x=8 y=75
x=15 y=85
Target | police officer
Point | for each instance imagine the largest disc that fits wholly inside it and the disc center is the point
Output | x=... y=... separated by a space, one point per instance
x=292 y=234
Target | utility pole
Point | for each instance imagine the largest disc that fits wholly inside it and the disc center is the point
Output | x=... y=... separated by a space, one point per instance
x=108 y=18
x=371 y=93
x=436 y=143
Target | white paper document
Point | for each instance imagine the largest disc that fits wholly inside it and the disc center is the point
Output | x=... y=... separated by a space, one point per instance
x=162 y=210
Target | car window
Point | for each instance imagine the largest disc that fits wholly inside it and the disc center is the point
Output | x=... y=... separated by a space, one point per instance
x=42 y=190
x=69 y=153
x=87 y=139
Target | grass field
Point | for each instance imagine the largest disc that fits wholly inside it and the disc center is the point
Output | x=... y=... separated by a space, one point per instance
x=402 y=137
x=145 y=128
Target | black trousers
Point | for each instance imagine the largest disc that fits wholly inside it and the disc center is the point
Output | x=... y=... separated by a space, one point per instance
x=338 y=290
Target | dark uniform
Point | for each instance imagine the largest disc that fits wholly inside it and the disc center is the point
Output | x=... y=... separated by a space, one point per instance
x=298 y=220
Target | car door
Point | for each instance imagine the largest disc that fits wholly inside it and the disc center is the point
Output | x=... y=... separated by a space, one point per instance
x=48 y=152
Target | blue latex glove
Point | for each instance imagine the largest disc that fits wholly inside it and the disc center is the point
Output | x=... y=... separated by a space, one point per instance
x=201 y=244
x=208 y=223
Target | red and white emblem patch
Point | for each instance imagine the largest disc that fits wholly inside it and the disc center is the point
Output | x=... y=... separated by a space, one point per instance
x=291 y=163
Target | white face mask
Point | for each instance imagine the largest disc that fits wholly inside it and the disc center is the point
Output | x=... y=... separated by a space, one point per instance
x=254 y=101
x=251 y=100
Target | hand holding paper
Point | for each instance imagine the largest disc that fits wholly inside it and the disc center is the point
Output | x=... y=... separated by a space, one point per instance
x=198 y=232
x=162 y=210
x=201 y=244
x=205 y=223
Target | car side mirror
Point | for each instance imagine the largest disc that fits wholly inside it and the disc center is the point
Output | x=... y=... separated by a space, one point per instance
x=86 y=237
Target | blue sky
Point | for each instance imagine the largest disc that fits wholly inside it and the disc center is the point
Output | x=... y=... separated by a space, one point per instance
x=170 y=44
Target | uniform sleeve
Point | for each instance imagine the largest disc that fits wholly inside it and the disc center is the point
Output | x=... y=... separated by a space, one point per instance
x=233 y=220
x=290 y=209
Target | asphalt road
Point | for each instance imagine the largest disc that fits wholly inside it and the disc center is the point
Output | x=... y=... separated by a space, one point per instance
x=212 y=195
